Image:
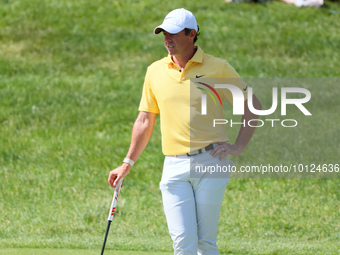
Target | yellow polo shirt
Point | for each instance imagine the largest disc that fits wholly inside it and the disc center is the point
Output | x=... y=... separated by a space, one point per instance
x=169 y=92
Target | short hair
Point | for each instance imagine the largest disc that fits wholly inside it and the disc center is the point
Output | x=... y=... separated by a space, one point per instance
x=188 y=30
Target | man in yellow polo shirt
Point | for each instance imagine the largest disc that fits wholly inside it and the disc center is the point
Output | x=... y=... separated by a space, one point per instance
x=173 y=88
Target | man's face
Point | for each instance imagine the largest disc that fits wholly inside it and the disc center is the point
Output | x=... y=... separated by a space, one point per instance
x=178 y=44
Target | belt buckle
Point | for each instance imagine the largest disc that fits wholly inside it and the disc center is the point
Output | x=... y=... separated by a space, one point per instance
x=193 y=153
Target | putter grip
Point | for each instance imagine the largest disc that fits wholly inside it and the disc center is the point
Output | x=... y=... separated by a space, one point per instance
x=114 y=200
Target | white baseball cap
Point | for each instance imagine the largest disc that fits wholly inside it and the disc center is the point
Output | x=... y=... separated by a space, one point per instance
x=176 y=21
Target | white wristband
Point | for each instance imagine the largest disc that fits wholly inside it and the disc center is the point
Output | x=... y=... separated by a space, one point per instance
x=129 y=161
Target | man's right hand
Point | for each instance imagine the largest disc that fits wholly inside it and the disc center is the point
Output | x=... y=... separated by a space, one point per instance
x=117 y=174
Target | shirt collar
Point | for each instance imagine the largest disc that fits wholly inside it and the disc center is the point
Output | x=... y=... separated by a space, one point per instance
x=198 y=56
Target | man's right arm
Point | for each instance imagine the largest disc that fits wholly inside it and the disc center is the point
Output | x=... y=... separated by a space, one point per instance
x=141 y=133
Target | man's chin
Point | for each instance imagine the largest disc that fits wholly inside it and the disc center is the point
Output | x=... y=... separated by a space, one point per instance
x=171 y=52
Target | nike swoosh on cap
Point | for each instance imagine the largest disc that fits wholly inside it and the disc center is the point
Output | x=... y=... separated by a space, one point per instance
x=245 y=88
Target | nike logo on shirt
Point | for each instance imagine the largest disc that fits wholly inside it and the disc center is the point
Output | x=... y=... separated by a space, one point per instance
x=199 y=76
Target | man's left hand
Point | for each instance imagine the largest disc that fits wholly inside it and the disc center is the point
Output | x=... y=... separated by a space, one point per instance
x=224 y=149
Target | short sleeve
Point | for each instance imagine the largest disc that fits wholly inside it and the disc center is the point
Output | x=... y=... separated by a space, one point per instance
x=148 y=101
x=233 y=78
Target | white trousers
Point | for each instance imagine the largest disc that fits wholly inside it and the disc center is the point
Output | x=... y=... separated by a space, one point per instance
x=192 y=205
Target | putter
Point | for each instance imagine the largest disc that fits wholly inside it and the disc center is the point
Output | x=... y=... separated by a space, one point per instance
x=112 y=212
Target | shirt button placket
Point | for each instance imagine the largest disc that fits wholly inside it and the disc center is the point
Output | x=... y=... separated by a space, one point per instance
x=181 y=78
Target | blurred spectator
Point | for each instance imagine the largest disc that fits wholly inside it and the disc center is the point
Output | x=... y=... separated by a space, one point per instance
x=247 y=1
x=300 y=3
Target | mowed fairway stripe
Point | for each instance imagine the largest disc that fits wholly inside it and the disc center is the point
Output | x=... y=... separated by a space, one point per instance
x=23 y=251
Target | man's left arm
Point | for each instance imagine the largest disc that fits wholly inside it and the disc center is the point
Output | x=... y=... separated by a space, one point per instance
x=245 y=134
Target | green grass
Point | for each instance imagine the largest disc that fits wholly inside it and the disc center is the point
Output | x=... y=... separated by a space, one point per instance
x=72 y=252
x=71 y=75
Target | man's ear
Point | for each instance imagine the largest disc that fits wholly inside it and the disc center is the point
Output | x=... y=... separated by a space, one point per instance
x=192 y=34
